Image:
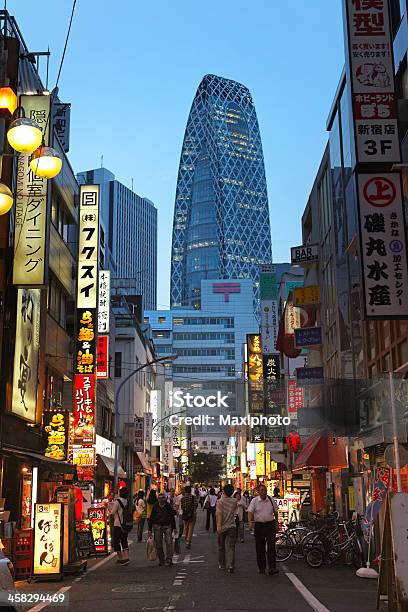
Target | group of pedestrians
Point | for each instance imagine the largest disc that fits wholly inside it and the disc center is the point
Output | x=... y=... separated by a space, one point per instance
x=169 y=516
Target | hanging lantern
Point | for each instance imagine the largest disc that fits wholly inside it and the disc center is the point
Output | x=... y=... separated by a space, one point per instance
x=6 y=199
x=24 y=135
x=45 y=162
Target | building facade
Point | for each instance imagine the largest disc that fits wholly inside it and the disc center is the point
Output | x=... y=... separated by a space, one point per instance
x=221 y=223
x=128 y=241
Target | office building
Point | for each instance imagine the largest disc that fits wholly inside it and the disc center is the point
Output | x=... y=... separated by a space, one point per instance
x=221 y=219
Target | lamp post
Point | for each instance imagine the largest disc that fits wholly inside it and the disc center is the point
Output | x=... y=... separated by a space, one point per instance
x=117 y=414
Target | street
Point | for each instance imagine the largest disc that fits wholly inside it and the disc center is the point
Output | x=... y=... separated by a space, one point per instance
x=196 y=583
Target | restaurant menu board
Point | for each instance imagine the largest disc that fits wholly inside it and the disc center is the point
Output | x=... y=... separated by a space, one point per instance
x=48 y=529
x=97 y=517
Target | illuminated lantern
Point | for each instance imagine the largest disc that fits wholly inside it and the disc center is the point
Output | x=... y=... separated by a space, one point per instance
x=6 y=199
x=293 y=442
x=24 y=135
x=45 y=162
x=8 y=99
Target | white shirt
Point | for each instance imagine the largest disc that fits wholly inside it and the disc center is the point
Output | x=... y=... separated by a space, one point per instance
x=263 y=510
x=116 y=509
x=212 y=499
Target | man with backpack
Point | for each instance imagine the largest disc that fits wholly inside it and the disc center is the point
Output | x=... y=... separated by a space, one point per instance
x=122 y=524
x=162 y=523
x=264 y=512
x=189 y=505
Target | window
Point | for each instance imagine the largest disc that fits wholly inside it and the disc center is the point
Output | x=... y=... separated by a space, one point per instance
x=227 y=338
x=59 y=218
x=161 y=334
x=162 y=319
x=204 y=442
x=57 y=302
x=118 y=365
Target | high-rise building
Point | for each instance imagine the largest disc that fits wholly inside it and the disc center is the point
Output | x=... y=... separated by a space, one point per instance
x=128 y=244
x=221 y=219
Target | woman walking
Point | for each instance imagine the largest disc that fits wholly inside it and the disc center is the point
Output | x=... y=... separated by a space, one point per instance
x=119 y=535
x=241 y=507
x=209 y=505
x=141 y=510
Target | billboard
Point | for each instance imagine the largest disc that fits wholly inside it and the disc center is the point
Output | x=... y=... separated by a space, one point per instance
x=308 y=336
x=306 y=295
x=305 y=254
x=254 y=352
x=84 y=409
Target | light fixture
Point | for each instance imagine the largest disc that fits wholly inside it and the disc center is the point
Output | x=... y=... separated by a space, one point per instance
x=8 y=99
x=45 y=162
x=24 y=135
x=6 y=199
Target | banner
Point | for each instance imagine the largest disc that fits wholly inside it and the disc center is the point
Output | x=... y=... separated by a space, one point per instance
x=260 y=458
x=103 y=301
x=379 y=493
x=84 y=409
x=102 y=364
x=88 y=246
x=48 y=530
x=139 y=435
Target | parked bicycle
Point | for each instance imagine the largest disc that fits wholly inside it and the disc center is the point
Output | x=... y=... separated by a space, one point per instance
x=329 y=551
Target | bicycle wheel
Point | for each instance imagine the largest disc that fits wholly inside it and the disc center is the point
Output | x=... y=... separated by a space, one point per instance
x=297 y=535
x=283 y=546
x=314 y=557
x=312 y=539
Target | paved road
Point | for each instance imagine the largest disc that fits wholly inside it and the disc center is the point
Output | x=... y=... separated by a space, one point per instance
x=195 y=583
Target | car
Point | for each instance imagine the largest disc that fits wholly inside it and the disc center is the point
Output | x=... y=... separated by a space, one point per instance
x=6 y=580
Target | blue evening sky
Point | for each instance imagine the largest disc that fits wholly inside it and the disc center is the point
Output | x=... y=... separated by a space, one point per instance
x=132 y=68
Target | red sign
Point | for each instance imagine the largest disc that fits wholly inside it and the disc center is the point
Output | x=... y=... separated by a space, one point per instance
x=226 y=289
x=379 y=192
x=84 y=409
x=295 y=398
x=97 y=517
x=102 y=367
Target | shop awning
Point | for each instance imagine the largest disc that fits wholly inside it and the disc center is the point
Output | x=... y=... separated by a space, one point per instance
x=322 y=452
x=110 y=466
x=61 y=467
x=141 y=462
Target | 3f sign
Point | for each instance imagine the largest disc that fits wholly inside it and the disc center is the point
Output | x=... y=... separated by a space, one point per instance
x=374 y=148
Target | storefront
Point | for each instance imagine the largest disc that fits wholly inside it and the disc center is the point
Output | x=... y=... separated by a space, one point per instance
x=142 y=472
x=105 y=468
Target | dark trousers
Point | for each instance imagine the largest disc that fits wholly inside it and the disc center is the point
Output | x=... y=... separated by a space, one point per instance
x=119 y=539
x=265 y=534
x=211 y=513
x=140 y=526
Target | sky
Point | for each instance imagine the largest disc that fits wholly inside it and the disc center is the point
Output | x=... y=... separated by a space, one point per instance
x=132 y=68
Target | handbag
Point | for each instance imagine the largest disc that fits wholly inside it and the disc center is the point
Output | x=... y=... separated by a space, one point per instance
x=207 y=504
x=137 y=517
x=151 y=549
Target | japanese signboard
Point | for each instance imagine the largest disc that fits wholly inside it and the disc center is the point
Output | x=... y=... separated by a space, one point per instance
x=306 y=295
x=254 y=357
x=271 y=367
x=30 y=226
x=48 y=530
x=306 y=254
x=56 y=426
x=61 y=119
x=27 y=345
x=380 y=489
x=147 y=417
x=85 y=342
x=139 y=435
x=309 y=373
x=88 y=246
x=167 y=456
x=155 y=402
x=84 y=409
x=371 y=75
x=308 y=336
x=102 y=364
x=97 y=518
x=292 y=318
x=84 y=456
x=252 y=470
x=260 y=458
x=295 y=398
x=383 y=244
x=103 y=301
x=268 y=289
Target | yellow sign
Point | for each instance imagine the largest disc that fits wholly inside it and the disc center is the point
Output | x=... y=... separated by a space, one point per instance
x=306 y=295
x=254 y=357
x=274 y=466
x=48 y=539
x=83 y=456
x=260 y=458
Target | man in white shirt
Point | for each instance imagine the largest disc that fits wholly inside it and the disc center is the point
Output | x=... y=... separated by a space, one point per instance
x=263 y=511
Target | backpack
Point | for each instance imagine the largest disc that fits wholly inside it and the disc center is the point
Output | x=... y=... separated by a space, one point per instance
x=126 y=523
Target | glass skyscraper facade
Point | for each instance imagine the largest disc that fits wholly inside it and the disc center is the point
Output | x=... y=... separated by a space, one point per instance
x=221 y=223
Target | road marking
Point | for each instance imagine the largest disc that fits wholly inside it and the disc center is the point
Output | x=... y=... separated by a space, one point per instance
x=313 y=602
x=43 y=605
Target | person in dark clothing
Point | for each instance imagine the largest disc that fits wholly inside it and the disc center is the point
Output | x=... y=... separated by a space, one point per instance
x=162 y=523
x=209 y=505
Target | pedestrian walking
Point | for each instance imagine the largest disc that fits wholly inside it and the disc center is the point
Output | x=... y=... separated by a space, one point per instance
x=162 y=524
x=209 y=505
x=202 y=491
x=179 y=513
x=120 y=535
x=140 y=508
x=189 y=505
x=241 y=507
x=264 y=512
x=226 y=509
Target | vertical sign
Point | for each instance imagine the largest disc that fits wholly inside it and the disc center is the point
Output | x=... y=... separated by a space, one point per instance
x=295 y=398
x=48 y=524
x=147 y=417
x=30 y=226
x=88 y=246
x=139 y=435
x=61 y=121
x=27 y=345
x=254 y=357
x=56 y=426
x=102 y=367
x=155 y=400
x=269 y=308
x=97 y=518
x=383 y=244
x=371 y=75
x=103 y=301
x=84 y=409
x=272 y=377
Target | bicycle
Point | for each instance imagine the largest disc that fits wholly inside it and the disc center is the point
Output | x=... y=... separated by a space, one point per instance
x=328 y=551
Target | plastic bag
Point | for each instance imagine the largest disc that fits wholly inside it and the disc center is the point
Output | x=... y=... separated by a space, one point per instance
x=151 y=549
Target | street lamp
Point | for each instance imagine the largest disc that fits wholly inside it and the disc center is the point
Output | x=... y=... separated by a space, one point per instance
x=45 y=162
x=117 y=414
x=6 y=199
x=24 y=135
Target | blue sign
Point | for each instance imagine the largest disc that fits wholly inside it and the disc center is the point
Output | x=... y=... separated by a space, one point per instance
x=308 y=336
x=309 y=373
